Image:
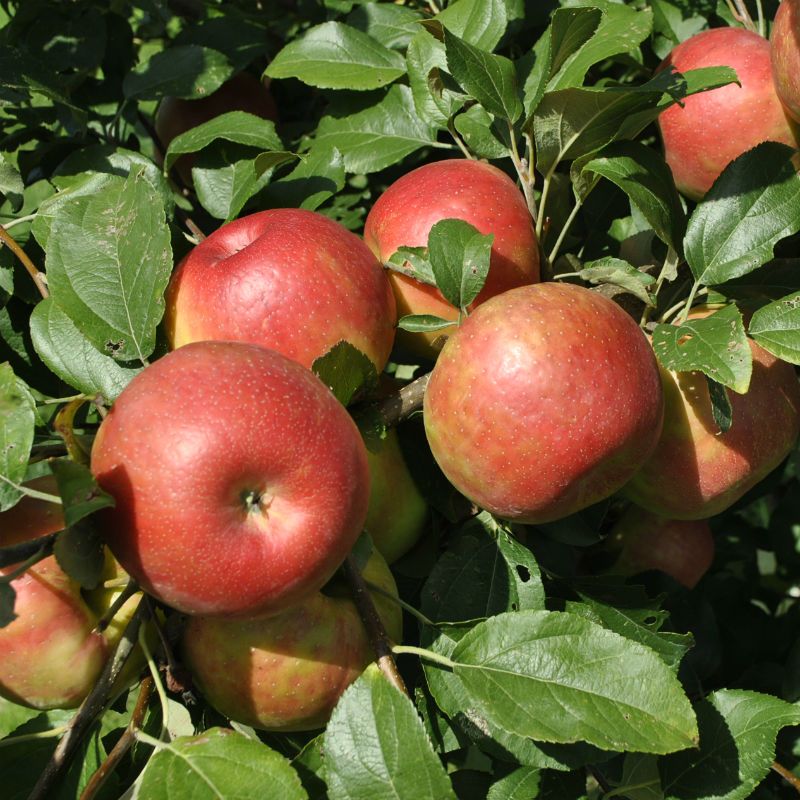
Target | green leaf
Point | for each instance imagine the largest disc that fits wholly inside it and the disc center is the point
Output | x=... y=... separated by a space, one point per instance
x=79 y=552
x=773 y=281
x=379 y=136
x=480 y=23
x=640 y=779
x=79 y=491
x=459 y=256
x=71 y=356
x=234 y=126
x=716 y=346
x=557 y=677
x=776 y=327
x=737 y=747
x=721 y=408
x=216 y=764
x=417 y=323
x=239 y=38
x=413 y=261
x=521 y=784
x=7 y=599
x=620 y=273
x=426 y=60
x=11 y=184
x=346 y=371
x=13 y=715
x=477 y=128
x=108 y=264
x=490 y=79
x=335 y=56
x=376 y=746
x=753 y=204
x=17 y=422
x=319 y=175
x=19 y=70
x=569 y=30
x=647 y=180
x=189 y=71
x=393 y=26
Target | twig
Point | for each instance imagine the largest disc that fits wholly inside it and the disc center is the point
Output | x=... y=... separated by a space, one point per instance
x=376 y=633
x=402 y=404
x=129 y=591
x=15 y=553
x=523 y=173
x=38 y=556
x=458 y=140
x=599 y=777
x=90 y=709
x=38 y=277
x=787 y=775
x=123 y=743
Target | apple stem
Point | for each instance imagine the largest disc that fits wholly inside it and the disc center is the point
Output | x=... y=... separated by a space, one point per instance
x=787 y=775
x=417 y=614
x=39 y=278
x=123 y=743
x=428 y=655
x=376 y=633
x=89 y=710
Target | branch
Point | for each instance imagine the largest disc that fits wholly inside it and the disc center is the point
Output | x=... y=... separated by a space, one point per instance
x=374 y=627
x=15 y=553
x=38 y=277
x=787 y=775
x=90 y=709
x=400 y=405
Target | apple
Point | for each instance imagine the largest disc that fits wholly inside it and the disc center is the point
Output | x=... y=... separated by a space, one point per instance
x=697 y=472
x=683 y=549
x=176 y=115
x=240 y=482
x=784 y=41
x=287 y=672
x=709 y=130
x=474 y=191
x=51 y=656
x=397 y=512
x=546 y=400
x=288 y=279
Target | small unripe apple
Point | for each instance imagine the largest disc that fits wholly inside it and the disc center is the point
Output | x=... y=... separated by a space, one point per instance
x=176 y=115
x=707 y=131
x=397 y=510
x=240 y=482
x=287 y=672
x=473 y=191
x=288 y=279
x=547 y=399
x=51 y=658
x=784 y=41
x=683 y=549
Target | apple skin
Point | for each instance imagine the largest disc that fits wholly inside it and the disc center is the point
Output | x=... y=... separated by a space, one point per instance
x=476 y=192
x=696 y=472
x=683 y=549
x=288 y=279
x=715 y=127
x=784 y=42
x=545 y=401
x=51 y=658
x=397 y=513
x=287 y=672
x=240 y=482
x=176 y=115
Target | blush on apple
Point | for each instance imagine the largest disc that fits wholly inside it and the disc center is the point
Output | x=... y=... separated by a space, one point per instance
x=288 y=279
x=547 y=399
x=683 y=549
x=709 y=130
x=287 y=672
x=473 y=191
x=240 y=482
x=784 y=42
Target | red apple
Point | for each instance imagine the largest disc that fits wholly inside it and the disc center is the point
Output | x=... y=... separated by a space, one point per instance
x=784 y=40
x=287 y=279
x=287 y=672
x=476 y=192
x=545 y=401
x=51 y=658
x=176 y=115
x=240 y=482
x=709 y=130
x=683 y=549
x=695 y=471
x=397 y=511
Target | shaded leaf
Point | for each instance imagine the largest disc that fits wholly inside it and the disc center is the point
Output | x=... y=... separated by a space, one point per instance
x=620 y=273
x=79 y=491
x=776 y=327
x=17 y=422
x=346 y=371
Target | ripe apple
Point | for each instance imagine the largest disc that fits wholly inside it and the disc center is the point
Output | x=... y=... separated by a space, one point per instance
x=784 y=41
x=683 y=549
x=397 y=511
x=712 y=128
x=695 y=471
x=546 y=400
x=240 y=482
x=288 y=279
x=51 y=658
x=176 y=115
x=287 y=672
x=473 y=191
